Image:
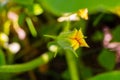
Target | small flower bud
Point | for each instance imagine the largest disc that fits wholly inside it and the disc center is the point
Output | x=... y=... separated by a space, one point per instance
x=53 y=48
x=14 y=47
x=3 y=39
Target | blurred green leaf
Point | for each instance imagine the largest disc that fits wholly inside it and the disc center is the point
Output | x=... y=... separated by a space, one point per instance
x=98 y=36
x=62 y=6
x=86 y=72
x=116 y=33
x=66 y=75
x=24 y=2
x=64 y=43
x=107 y=59
x=46 y=29
x=63 y=40
x=115 y=75
x=6 y=76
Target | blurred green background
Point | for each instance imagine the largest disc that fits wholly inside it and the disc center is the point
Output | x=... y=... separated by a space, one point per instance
x=26 y=53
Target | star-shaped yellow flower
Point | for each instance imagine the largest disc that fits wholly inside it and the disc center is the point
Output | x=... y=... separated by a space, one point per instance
x=83 y=13
x=77 y=39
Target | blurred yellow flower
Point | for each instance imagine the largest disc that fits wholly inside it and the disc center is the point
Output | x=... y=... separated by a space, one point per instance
x=3 y=39
x=116 y=10
x=83 y=13
x=77 y=39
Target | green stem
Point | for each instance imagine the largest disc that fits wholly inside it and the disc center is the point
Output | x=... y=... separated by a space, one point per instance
x=10 y=58
x=2 y=57
x=50 y=36
x=27 y=66
x=31 y=27
x=72 y=65
x=67 y=26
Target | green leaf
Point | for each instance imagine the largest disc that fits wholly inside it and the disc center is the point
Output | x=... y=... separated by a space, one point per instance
x=98 y=36
x=6 y=76
x=61 y=6
x=115 y=75
x=86 y=72
x=107 y=59
x=64 y=43
x=24 y=2
x=116 y=34
x=66 y=75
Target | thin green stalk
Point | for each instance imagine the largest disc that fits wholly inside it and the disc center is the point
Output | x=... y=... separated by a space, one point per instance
x=72 y=65
x=10 y=58
x=50 y=36
x=31 y=27
x=3 y=76
x=27 y=66
x=2 y=57
x=67 y=26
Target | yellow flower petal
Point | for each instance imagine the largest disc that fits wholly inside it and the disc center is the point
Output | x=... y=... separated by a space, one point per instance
x=73 y=42
x=83 y=43
x=79 y=34
x=83 y=13
x=76 y=46
x=77 y=39
x=73 y=33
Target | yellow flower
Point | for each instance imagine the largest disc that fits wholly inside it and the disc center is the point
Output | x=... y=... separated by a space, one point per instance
x=3 y=39
x=83 y=13
x=116 y=10
x=77 y=39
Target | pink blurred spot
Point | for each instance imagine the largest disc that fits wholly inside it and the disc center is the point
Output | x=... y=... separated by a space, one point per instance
x=14 y=18
x=21 y=33
x=114 y=46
